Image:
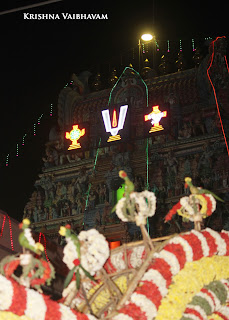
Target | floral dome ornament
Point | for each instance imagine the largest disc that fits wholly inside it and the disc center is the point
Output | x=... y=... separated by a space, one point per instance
x=199 y=205
x=34 y=271
x=84 y=255
x=136 y=207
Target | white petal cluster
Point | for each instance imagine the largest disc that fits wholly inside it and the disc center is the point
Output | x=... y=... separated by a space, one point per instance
x=29 y=237
x=35 y=306
x=188 y=204
x=145 y=206
x=6 y=293
x=185 y=202
x=25 y=259
x=120 y=207
x=70 y=253
x=94 y=250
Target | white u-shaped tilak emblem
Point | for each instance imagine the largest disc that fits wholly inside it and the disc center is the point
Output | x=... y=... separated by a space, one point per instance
x=121 y=120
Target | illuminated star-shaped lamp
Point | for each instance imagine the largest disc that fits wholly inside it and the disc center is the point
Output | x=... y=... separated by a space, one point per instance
x=155 y=116
x=74 y=135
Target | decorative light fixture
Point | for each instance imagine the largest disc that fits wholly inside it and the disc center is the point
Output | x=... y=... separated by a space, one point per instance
x=155 y=116
x=114 y=126
x=74 y=135
x=147 y=37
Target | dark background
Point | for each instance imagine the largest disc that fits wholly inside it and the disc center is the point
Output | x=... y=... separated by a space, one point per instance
x=38 y=57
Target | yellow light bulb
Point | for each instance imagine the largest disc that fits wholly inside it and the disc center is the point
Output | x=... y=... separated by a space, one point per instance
x=147 y=37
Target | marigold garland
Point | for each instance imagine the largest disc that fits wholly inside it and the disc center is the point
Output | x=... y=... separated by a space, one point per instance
x=166 y=264
x=5 y=315
x=215 y=317
x=189 y=282
x=211 y=299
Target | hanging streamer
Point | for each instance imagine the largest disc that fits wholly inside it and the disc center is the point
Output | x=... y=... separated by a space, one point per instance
x=41 y=234
x=138 y=74
x=213 y=88
x=3 y=224
x=10 y=227
x=147 y=141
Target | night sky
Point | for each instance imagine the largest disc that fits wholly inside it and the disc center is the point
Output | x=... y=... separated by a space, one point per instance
x=39 y=56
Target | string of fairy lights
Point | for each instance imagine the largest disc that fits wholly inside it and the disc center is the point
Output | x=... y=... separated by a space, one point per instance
x=167 y=45
x=17 y=149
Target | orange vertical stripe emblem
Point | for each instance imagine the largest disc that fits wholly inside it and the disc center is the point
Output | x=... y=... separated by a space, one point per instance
x=114 y=120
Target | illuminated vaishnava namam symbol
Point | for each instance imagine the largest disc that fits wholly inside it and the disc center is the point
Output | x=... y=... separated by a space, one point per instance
x=74 y=135
x=155 y=116
x=114 y=126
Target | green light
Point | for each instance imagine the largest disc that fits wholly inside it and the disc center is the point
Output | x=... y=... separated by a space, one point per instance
x=89 y=187
x=132 y=69
x=120 y=192
x=147 y=146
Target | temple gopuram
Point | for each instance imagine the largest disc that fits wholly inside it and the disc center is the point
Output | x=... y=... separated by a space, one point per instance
x=158 y=128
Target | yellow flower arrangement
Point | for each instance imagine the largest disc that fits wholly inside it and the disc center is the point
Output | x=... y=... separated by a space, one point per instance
x=62 y=231
x=215 y=317
x=104 y=296
x=5 y=315
x=26 y=221
x=39 y=246
x=188 y=282
x=203 y=203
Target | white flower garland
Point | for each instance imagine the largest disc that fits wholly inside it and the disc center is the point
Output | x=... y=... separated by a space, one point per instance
x=122 y=316
x=66 y=313
x=198 y=309
x=205 y=296
x=221 y=245
x=171 y=259
x=119 y=209
x=146 y=203
x=25 y=259
x=216 y=300
x=6 y=293
x=117 y=261
x=29 y=237
x=94 y=250
x=145 y=304
x=203 y=241
x=35 y=305
x=70 y=253
x=185 y=202
x=136 y=256
x=224 y=310
x=213 y=201
x=156 y=277
x=186 y=246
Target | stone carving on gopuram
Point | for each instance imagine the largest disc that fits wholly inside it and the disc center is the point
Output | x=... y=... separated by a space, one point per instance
x=80 y=186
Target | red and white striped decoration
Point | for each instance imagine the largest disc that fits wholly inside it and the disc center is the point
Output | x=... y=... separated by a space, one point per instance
x=153 y=287
x=23 y=301
x=116 y=261
x=198 y=312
